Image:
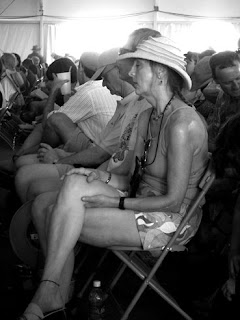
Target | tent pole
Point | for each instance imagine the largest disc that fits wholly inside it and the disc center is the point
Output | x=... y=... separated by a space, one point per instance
x=155 y=15
x=41 y=27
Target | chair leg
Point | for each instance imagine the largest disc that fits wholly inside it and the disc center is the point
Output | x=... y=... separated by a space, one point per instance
x=89 y=280
x=120 y=272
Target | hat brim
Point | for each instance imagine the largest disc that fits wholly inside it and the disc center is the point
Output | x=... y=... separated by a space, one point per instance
x=23 y=237
x=196 y=85
x=98 y=73
x=157 y=58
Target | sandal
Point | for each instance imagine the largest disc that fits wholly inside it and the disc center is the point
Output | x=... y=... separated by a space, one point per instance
x=34 y=310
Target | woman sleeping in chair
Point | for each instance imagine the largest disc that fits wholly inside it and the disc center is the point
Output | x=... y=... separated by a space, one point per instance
x=99 y=208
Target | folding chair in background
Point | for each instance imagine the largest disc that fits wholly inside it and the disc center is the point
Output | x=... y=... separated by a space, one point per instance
x=9 y=124
x=130 y=258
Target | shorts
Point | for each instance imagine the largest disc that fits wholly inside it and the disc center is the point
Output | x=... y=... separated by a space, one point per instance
x=77 y=142
x=157 y=228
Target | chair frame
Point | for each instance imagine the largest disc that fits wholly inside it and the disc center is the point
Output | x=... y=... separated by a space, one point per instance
x=128 y=257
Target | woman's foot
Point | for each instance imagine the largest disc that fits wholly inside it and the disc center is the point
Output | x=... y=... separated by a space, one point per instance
x=46 y=301
x=33 y=312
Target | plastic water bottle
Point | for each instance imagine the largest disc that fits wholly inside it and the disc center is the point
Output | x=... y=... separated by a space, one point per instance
x=96 y=302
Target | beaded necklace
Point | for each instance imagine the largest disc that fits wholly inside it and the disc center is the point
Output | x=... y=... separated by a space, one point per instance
x=149 y=141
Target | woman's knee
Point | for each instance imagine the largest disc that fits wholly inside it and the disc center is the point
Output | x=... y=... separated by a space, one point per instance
x=74 y=184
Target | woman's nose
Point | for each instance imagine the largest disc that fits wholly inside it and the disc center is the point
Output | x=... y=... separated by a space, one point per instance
x=132 y=71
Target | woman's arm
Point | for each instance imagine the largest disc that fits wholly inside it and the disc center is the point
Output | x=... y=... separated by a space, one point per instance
x=180 y=149
x=114 y=180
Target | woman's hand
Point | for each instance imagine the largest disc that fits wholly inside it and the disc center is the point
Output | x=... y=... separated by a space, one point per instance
x=100 y=201
x=46 y=154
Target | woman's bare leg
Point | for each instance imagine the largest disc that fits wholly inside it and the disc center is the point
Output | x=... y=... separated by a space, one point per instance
x=41 y=215
x=101 y=227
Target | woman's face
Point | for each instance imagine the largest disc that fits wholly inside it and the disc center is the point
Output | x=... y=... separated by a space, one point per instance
x=143 y=76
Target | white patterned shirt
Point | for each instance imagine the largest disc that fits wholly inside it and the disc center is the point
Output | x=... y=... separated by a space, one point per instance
x=91 y=107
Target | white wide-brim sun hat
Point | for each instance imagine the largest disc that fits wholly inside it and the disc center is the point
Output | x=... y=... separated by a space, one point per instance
x=164 y=51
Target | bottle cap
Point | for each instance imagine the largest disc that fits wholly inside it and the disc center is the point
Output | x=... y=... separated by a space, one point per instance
x=97 y=283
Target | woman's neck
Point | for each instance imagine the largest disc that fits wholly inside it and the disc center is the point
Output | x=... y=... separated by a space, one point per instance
x=162 y=101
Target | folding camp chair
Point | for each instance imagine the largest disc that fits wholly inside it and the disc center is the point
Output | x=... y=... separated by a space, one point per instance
x=130 y=258
x=9 y=124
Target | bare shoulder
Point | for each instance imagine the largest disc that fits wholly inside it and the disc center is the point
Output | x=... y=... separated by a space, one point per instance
x=186 y=116
x=185 y=124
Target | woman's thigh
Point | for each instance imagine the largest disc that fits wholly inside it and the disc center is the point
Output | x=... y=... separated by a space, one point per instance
x=102 y=226
x=106 y=227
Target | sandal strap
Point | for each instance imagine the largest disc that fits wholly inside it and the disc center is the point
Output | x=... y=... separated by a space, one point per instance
x=46 y=280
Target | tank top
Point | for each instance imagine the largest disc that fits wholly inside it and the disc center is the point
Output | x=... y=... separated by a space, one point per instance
x=195 y=175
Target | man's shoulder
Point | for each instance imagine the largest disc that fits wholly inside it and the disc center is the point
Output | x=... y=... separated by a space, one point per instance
x=91 y=87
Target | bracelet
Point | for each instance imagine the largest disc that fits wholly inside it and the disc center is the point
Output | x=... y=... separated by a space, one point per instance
x=121 y=203
x=109 y=178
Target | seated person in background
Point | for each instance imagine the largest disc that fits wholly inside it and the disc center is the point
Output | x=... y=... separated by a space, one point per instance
x=12 y=82
x=225 y=68
x=36 y=67
x=191 y=58
x=78 y=123
x=172 y=151
x=29 y=74
x=200 y=72
x=117 y=139
x=19 y=68
x=35 y=108
x=9 y=62
x=36 y=53
x=202 y=79
x=226 y=159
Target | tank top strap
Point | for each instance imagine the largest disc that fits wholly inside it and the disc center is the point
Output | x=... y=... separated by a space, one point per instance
x=170 y=114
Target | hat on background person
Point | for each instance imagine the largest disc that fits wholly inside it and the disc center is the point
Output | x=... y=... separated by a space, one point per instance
x=164 y=51
x=202 y=74
x=36 y=48
x=205 y=53
x=190 y=55
x=90 y=60
x=106 y=58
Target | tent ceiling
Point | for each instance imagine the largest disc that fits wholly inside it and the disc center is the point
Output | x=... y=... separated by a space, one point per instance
x=87 y=8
